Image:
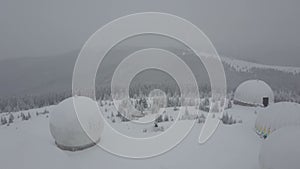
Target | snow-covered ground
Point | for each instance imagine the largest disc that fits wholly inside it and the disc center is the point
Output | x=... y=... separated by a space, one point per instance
x=29 y=145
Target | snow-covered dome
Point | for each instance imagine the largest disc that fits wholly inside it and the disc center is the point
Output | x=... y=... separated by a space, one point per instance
x=76 y=130
x=281 y=149
x=277 y=116
x=254 y=93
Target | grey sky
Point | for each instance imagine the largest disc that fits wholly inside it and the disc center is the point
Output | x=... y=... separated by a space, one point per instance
x=265 y=31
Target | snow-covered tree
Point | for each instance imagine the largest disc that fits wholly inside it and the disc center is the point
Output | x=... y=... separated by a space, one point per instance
x=159 y=119
x=28 y=116
x=3 y=121
x=11 y=118
x=119 y=114
x=229 y=104
x=204 y=105
x=201 y=118
x=23 y=116
x=124 y=119
x=228 y=119
x=166 y=118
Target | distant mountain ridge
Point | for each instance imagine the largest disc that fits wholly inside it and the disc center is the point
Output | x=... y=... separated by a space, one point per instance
x=240 y=65
x=54 y=74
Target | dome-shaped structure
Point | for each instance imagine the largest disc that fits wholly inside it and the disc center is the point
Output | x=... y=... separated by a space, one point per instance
x=76 y=130
x=281 y=149
x=254 y=93
x=276 y=116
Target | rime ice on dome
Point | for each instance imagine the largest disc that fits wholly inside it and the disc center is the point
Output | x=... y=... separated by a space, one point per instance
x=76 y=130
x=254 y=93
x=276 y=116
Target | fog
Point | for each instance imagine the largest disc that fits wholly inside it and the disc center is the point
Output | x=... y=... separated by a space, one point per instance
x=260 y=31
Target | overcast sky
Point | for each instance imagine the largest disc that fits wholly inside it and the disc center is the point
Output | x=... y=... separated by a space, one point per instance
x=265 y=31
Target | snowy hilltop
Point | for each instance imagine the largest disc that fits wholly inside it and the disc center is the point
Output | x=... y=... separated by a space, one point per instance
x=245 y=66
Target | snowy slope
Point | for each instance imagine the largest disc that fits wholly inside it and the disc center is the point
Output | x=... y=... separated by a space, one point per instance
x=232 y=146
x=245 y=66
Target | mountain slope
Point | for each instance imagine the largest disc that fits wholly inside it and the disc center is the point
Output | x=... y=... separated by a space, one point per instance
x=245 y=66
x=54 y=74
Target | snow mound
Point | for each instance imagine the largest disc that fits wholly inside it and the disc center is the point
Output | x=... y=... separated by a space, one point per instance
x=76 y=130
x=281 y=149
x=277 y=116
x=252 y=92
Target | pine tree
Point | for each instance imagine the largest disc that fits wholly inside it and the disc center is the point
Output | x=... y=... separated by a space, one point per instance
x=159 y=119
x=225 y=118
x=11 y=118
x=101 y=104
x=166 y=118
x=204 y=105
x=119 y=114
x=229 y=104
x=45 y=111
x=124 y=119
x=3 y=120
x=23 y=116
x=201 y=119
x=230 y=120
x=28 y=116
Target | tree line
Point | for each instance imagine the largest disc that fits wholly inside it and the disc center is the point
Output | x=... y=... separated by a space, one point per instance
x=26 y=102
